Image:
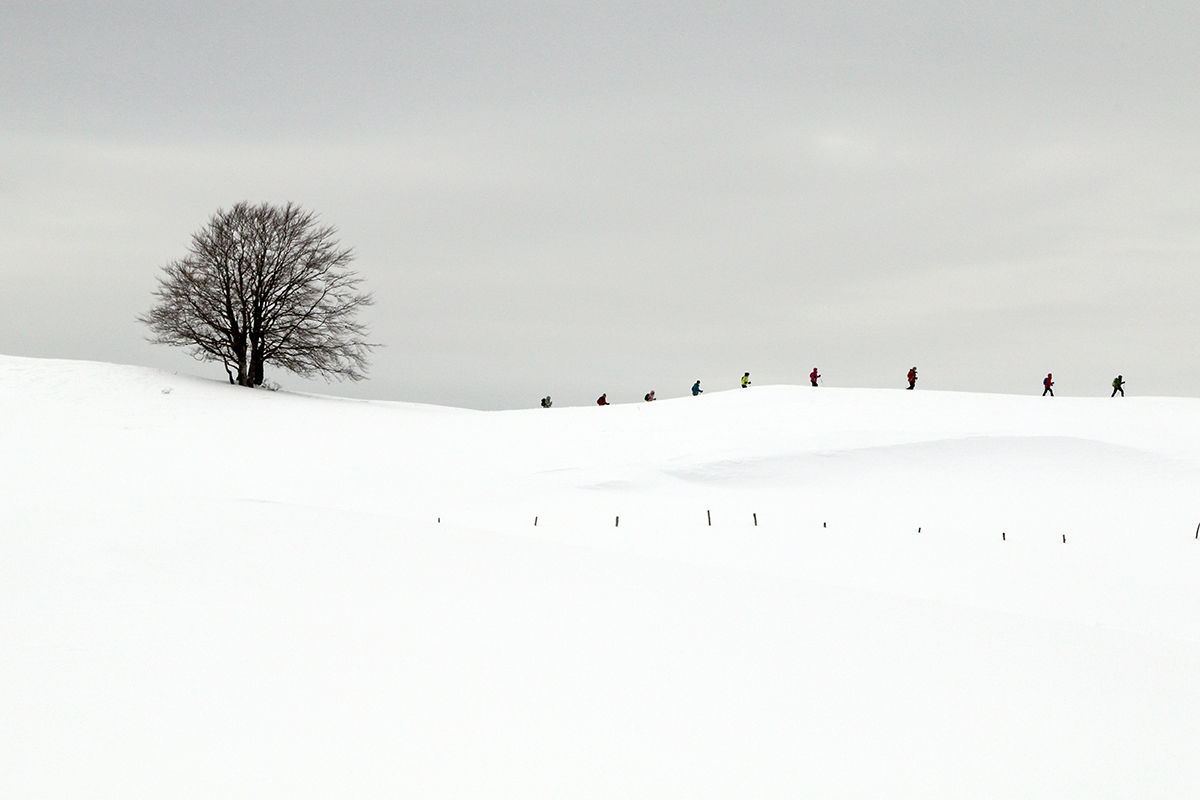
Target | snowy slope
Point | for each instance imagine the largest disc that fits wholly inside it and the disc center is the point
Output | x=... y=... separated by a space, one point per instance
x=207 y=591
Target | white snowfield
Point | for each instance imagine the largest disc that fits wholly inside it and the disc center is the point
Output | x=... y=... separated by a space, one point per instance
x=213 y=592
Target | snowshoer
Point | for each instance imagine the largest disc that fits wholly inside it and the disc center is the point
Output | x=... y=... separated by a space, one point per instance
x=912 y=378
x=812 y=376
x=547 y=402
x=696 y=388
x=745 y=380
x=603 y=400
x=1118 y=386
x=1048 y=382
x=650 y=396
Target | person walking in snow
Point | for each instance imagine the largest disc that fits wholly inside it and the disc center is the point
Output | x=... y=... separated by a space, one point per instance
x=1118 y=386
x=547 y=402
x=650 y=396
x=745 y=380
x=603 y=400
x=1048 y=382
x=696 y=388
x=912 y=378
x=812 y=376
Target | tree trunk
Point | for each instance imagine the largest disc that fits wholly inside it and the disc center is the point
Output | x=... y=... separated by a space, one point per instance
x=256 y=362
x=256 y=370
x=239 y=351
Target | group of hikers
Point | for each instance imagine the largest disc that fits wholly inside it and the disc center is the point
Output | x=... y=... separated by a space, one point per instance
x=1118 y=385
x=650 y=398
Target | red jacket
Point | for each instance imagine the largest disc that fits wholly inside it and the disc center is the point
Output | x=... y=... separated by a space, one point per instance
x=602 y=401
x=912 y=374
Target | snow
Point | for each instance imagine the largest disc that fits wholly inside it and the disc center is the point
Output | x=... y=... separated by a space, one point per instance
x=207 y=591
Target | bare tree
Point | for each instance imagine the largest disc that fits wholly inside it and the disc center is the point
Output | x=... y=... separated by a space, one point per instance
x=264 y=283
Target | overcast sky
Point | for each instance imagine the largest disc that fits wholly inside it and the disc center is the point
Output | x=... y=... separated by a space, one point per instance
x=569 y=198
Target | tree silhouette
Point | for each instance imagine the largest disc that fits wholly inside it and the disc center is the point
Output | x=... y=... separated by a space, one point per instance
x=264 y=284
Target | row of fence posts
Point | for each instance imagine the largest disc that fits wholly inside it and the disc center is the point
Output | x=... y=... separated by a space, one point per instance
x=617 y=524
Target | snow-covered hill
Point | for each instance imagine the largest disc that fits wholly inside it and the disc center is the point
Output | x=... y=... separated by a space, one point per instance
x=207 y=591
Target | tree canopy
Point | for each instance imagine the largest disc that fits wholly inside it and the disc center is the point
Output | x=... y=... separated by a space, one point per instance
x=264 y=284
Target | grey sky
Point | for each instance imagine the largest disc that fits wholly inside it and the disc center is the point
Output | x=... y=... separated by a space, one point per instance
x=568 y=199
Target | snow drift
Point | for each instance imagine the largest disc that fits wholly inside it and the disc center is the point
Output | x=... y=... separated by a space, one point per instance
x=208 y=591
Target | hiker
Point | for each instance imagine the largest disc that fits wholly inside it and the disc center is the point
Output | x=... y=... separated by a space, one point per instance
x=745 y=380
x=650 y=397
x=1048 y=382
x=547 y=402
x=696 y=388
x=912 y=378
x=812 y=376
x=1118 y=384
x=603 y=400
